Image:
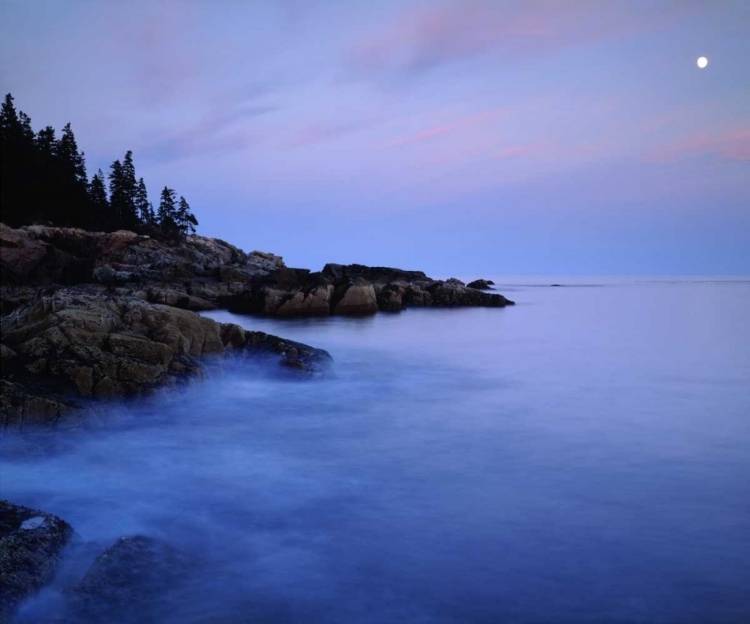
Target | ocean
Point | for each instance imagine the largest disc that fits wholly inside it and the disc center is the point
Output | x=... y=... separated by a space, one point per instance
x=583 y=456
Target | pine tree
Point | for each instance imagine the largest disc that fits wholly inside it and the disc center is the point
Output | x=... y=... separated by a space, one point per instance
x=27 y=132
x=116 y=200
x=142 y=203
x=46 y=142
x=9 y=122
x=129 y=190
x=166 y=206
x=186 y=222
x=73 y=160
x=168 y=214
x=98 y=193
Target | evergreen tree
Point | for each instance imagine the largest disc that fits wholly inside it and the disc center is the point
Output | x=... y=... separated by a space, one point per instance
x=186 y=222
x=27 y=132
x=73 y=160
x=167 y=208
x=43 y=179
x=142 y=203
x=9 y=122
x=116 y=199
x=98 y=193
x=46 y=142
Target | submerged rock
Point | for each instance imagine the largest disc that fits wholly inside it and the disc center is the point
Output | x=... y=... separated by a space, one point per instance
x=30 y=545
x=129 y=582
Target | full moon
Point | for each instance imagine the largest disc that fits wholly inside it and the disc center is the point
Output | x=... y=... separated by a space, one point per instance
x=702 y=62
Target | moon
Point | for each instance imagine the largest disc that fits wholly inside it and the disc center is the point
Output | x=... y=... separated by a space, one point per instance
x=702 y=62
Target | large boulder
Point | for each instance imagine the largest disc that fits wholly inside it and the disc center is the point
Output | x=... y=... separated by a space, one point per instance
x=31 y=542
x=72 y=345
x=354 y=297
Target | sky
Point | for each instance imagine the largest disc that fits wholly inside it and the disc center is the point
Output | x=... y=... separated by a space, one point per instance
x=456 y=137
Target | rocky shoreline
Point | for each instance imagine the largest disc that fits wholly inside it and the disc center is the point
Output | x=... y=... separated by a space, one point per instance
x=91 y=316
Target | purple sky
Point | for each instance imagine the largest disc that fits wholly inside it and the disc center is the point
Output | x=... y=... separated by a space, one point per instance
x=462 y=137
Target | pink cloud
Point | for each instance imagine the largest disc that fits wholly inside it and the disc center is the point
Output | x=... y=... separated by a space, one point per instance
x=528 y=149
x=732 y=144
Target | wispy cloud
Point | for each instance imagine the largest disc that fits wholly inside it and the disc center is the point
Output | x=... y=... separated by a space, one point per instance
x=731 y=144
x=443 y=129
x=418 y=40
x=221 y=129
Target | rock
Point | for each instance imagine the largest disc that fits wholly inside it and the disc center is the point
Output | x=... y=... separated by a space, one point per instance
x=481 y=284
x=73 y=345
x=39 y=255
x=129 y=582
x=382 y=275
x=30 y=545
x=286 y=293
x=390 y=298
x=353 y=289
x=451 y=295
x=354 y=297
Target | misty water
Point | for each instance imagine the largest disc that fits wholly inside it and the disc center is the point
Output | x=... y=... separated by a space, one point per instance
x=583 y=456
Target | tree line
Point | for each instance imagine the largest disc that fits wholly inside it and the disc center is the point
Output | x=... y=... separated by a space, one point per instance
x=43 y=179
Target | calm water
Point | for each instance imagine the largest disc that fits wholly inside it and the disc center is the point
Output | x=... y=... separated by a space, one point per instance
x=581 y=457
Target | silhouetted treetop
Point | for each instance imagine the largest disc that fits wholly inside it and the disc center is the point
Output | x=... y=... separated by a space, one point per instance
x=43 y=179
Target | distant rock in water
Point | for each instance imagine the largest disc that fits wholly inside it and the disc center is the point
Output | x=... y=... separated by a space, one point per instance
x=30 y=545
x=481 y=284
x=353 y=289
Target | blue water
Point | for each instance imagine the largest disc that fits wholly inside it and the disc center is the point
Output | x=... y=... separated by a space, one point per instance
x=583 y=456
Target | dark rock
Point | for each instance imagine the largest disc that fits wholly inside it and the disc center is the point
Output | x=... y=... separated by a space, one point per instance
x=481 y=284
x=450 y=295
x=130 y=582
x=30 y=545
x=381 y=275
x=390 y=298
x=454 y=281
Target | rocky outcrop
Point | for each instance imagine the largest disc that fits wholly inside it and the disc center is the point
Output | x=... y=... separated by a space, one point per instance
x=73 y=345
x=195 y=273
x=353 y=289
x=481 y=284
x=31 y=543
